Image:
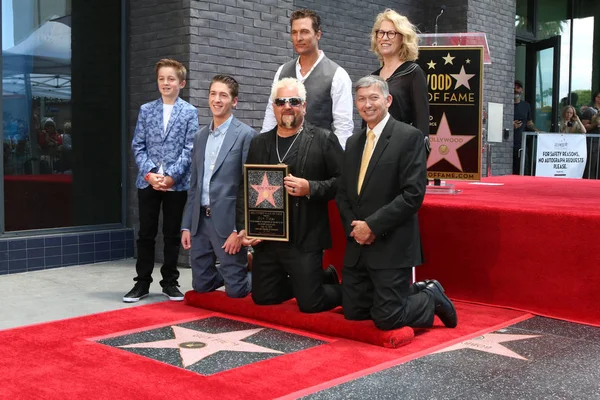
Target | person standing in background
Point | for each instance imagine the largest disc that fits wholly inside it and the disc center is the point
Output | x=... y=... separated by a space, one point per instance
x=328 y=86
x=395 y=42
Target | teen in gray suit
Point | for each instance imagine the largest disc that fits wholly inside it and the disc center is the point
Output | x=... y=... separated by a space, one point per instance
x=208 y=226
x=379 y=193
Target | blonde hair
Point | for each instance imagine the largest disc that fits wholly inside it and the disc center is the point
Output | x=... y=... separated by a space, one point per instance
x=564 y=111
x=289 y=82
x=409 y=50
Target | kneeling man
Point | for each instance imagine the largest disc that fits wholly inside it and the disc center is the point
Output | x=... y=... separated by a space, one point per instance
x=209 y=225
x=380 y=191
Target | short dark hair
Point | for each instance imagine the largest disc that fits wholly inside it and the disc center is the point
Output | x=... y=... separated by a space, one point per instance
x=307 y=13
x=230 y=81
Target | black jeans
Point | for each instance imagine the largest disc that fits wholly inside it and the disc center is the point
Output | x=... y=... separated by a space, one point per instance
x=173 y=203
x=280 y=271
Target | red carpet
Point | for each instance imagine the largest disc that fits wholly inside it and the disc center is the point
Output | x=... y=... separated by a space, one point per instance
x=529 y=244
x=329 y=323
x=59 y=359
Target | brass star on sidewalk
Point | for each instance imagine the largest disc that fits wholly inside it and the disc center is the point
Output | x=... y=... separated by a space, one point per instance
x=196 y=345
x=490 y=343
x=448 y=59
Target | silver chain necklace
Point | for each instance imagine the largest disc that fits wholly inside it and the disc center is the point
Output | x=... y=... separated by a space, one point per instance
x=289 y=148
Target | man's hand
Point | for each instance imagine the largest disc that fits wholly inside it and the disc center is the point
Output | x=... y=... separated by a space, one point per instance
x=517 y=124
x=296 y=186
x=186 y=240
x=245 y=241
x=233 y=244
x=362 y=233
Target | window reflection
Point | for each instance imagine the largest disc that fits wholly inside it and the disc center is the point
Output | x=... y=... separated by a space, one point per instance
x=50 y=156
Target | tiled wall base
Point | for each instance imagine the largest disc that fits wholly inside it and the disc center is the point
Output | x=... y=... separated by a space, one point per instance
x=43 y=252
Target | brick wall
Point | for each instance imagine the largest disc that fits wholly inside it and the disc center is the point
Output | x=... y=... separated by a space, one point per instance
x=497 y=20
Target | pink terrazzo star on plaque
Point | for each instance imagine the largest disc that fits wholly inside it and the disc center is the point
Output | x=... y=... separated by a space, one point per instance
x=195 y=345
x=462 y=79
x=444 y=145
x=265 y=191
x=490 y=343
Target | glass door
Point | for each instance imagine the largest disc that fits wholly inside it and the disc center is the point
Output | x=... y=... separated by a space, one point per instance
x=542 y=91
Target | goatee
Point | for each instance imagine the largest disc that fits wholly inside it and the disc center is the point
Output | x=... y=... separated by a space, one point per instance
x=289 y=121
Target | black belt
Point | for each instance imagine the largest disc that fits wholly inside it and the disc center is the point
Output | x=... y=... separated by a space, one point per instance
x=205 y=210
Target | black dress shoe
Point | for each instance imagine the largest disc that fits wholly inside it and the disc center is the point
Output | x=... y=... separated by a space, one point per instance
x=420 y=286
x=444 y=308
x=330 y=276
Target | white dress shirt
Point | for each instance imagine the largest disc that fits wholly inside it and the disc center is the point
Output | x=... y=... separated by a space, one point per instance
x=377 y=129
x=341 y=96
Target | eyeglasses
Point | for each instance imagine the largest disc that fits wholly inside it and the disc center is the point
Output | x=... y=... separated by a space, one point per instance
x=294 y=101
x=382 y=34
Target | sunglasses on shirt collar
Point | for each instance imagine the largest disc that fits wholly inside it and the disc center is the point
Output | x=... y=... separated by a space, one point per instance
x=294 y=101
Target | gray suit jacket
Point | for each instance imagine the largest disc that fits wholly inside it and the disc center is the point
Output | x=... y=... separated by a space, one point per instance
x=227 y=176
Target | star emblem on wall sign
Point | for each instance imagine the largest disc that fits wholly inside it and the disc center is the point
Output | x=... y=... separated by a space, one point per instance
x=462 y=78
x=265 y=191
x=195 y=345
x=431 y=65
x=468 y=61
x=444 y=145
x=491 y=343
x=448 y=59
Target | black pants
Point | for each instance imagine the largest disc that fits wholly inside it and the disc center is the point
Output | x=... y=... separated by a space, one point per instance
x=281 y=271
x=149 y=201
x=383 y=296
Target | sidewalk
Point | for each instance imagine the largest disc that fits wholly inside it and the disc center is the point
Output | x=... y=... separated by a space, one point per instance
x=47 y=295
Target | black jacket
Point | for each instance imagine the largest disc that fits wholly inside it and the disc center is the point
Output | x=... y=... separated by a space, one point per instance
x=319 y=162
x=392 y=193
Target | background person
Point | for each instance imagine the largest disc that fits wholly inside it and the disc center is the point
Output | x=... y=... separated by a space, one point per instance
x=570 y=122
x=328 y=86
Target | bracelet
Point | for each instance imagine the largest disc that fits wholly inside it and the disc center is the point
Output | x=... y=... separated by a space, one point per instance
x=147 y=177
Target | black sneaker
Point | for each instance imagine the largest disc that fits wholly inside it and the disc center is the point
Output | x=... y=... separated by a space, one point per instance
x=173 y=293
x=139 y=291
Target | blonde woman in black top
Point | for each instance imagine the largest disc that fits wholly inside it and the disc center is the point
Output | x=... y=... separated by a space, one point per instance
x=394 y=40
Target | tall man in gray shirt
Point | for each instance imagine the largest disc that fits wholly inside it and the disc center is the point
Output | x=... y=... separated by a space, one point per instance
x=328 y=86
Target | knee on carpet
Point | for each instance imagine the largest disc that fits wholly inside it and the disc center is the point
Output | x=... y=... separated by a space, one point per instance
x=387 y=322
x=309 y=307
x=236 y=294
x=263 y=301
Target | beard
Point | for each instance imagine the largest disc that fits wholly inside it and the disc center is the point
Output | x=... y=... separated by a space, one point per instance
x=289 y=121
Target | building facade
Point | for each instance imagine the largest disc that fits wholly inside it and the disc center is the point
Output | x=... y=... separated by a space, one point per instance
x=75 y=72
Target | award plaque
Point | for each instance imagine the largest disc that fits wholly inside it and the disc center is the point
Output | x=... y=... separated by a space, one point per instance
x=266 y=202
